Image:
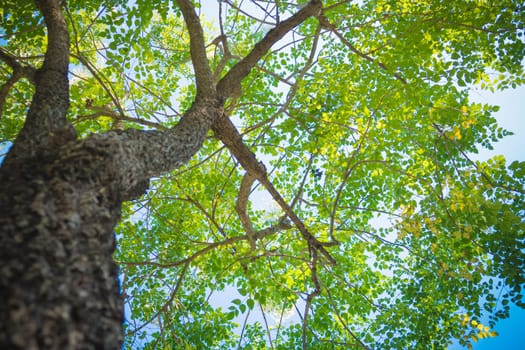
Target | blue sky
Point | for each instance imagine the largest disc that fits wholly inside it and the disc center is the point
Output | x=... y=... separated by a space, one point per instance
x=511 y=333
x=511 y=116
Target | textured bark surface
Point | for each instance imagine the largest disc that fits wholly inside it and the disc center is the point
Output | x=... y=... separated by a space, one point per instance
x=58 y=281
x=46 y=125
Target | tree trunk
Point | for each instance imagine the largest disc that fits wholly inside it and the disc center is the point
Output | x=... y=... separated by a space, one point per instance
x=58 y=281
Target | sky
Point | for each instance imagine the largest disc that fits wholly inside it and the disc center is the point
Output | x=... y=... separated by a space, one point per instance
x=511 y=333
x=511 y=116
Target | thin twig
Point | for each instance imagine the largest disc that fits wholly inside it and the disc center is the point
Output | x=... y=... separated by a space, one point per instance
x=326 y=24
x=241 y=207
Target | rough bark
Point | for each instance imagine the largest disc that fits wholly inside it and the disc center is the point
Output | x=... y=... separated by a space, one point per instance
x=46 y=124
x=58 y=281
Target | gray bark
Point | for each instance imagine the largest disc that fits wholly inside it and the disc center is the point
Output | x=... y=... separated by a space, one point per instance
x=58 y=282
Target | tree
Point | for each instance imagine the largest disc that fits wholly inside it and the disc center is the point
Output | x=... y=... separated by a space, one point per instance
x=151 y=124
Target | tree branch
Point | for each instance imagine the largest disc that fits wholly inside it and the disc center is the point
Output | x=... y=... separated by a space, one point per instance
x=46 y=125
x=231 y=82
x=187 y=260
x=4 y=90
x=101 y=111
x=203 y=74
x=228 y=134
x=170 y=300
x=27 y=72
x=342 y=321
x=268 y=334
x=247 y=14
x=19 y=71
x=102 y=80
x=57 y=53
x=326 y=24
x=141 y=154
x=311 y=295
x=241 y=207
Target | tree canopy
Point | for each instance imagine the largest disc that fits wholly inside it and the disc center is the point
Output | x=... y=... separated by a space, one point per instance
x=338 y=184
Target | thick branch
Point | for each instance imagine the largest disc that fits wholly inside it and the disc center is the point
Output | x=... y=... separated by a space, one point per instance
x=57 y=53
x=228 y=134
x=141 y=154
x=46 y=125
x=204 y=76
x=231 y=83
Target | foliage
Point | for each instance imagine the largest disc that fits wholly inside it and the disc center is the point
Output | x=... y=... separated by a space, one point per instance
x=363 y=120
